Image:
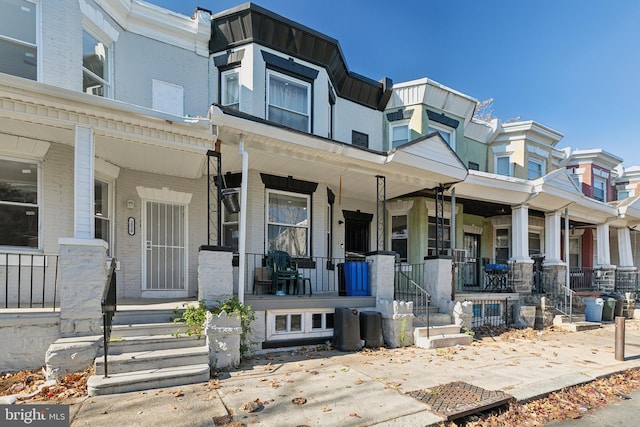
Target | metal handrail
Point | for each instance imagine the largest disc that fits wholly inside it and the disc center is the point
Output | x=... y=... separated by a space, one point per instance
x=108 y=303
x=418 y=291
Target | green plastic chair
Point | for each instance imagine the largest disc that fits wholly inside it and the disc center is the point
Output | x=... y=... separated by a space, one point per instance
x=283 y=270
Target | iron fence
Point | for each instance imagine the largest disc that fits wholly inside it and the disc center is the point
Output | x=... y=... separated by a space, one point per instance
x=626 y=282
x=581 y=279
x=30 y=280
x=491 y=313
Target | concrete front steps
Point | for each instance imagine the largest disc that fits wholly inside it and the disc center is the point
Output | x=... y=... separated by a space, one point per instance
x=149 y=355
x=577 y=323
x=440 y=336
x=435 y=318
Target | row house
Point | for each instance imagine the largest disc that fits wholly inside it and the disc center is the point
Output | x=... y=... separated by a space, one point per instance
x=125 y=129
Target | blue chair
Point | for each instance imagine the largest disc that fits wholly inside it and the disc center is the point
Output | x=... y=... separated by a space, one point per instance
x=283 y=271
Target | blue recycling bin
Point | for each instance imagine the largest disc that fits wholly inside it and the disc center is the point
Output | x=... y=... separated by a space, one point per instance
x=356 y=278
x=593 y=309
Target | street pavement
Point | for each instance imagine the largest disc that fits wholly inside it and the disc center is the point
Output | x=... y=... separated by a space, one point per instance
x=313 y=386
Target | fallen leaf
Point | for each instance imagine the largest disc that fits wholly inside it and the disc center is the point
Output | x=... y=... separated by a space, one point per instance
x=353 y=414
x=299 y=400
x=325 y=409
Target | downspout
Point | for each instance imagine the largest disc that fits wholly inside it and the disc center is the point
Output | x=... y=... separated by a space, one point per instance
x=567 y=277
x=242 y=238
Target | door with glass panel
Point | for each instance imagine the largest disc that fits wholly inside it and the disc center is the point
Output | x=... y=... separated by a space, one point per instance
x=471 y=266
x=165 y=247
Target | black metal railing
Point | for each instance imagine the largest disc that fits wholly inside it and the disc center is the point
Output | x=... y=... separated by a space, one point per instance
x=491 y=313
x=626 y=282
x=321 y=274
x=581 y=279
x=30 y=280
x=409 y=286
x=108 y=303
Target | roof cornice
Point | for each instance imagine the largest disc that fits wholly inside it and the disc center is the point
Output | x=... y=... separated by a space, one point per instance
x=249 y=23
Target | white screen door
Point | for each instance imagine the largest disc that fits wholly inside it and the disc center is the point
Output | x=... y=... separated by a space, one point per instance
x=165 y=254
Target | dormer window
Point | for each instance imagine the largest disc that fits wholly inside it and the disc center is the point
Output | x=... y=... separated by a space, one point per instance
x=230 y=82
x=288 y=101
x=445 y=132
x=535 y=168
x=599 y=189
x=503 y=165
x=398 y=134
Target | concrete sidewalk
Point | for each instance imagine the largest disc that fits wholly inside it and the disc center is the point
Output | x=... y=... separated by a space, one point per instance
x=369 y=387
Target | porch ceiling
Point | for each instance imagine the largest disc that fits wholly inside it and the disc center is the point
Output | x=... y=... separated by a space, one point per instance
x=349 y=171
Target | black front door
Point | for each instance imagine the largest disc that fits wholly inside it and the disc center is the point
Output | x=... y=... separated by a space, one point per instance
x=357 y=231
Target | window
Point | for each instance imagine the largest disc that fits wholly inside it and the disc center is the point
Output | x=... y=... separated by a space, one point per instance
x=230 y=229
x=399 y=134
x=400 y=236
x=359 y=139
x=535 y=243
x=102 y=211
x=446 y=236
x=575 y=260
x=503 y=245
x=445 y=132
x=576 y=180
x=503 y=165
x=18 y=33
x=95 y=66
x=230 y=89
x=19 y=210
x=623 y=194
x=474 y=166
x=288 y=222
x=289 y=101
x=306 y=323
x=535 y=168
x=599 y=189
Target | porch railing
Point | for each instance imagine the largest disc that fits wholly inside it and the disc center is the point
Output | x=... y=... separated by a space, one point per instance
x=408 y=286
x=627 y=282
x=30 y=280
x=108 y=303
x=581 y=279
x=322 y=272
x=483 y=275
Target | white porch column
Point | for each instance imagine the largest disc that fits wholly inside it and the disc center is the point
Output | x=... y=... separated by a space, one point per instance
x=602 y=239
x=520 y=233
x=624 y=247
x=83 y=175
x=552 y=233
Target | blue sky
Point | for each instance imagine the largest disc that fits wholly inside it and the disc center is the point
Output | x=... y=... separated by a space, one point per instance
x=571 y=65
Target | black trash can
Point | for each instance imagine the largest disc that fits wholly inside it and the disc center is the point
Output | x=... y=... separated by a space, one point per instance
x=346 y=329
x=371 y=329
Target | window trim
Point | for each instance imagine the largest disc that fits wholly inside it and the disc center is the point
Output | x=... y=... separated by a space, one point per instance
x=446 y=129
x=107 y=81
x=396 y=125
x=39 y=190
x=268 y=192
x=272 y=73
x=223 y=85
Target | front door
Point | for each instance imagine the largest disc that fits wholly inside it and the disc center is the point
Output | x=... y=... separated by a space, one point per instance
x=471 y=267
x=165 y=252
x=357 y=232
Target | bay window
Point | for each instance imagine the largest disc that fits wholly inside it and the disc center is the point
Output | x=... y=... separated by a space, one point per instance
x=535 y=168
x=288 y=222
x=288 y=101
x=19 y=203
x=503 y=165
x=18 y=38
x=399 y=134
x=230 y=89
x=95 y=66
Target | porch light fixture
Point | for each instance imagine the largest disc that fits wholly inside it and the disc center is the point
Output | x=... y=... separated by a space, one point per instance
x=230 y=199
